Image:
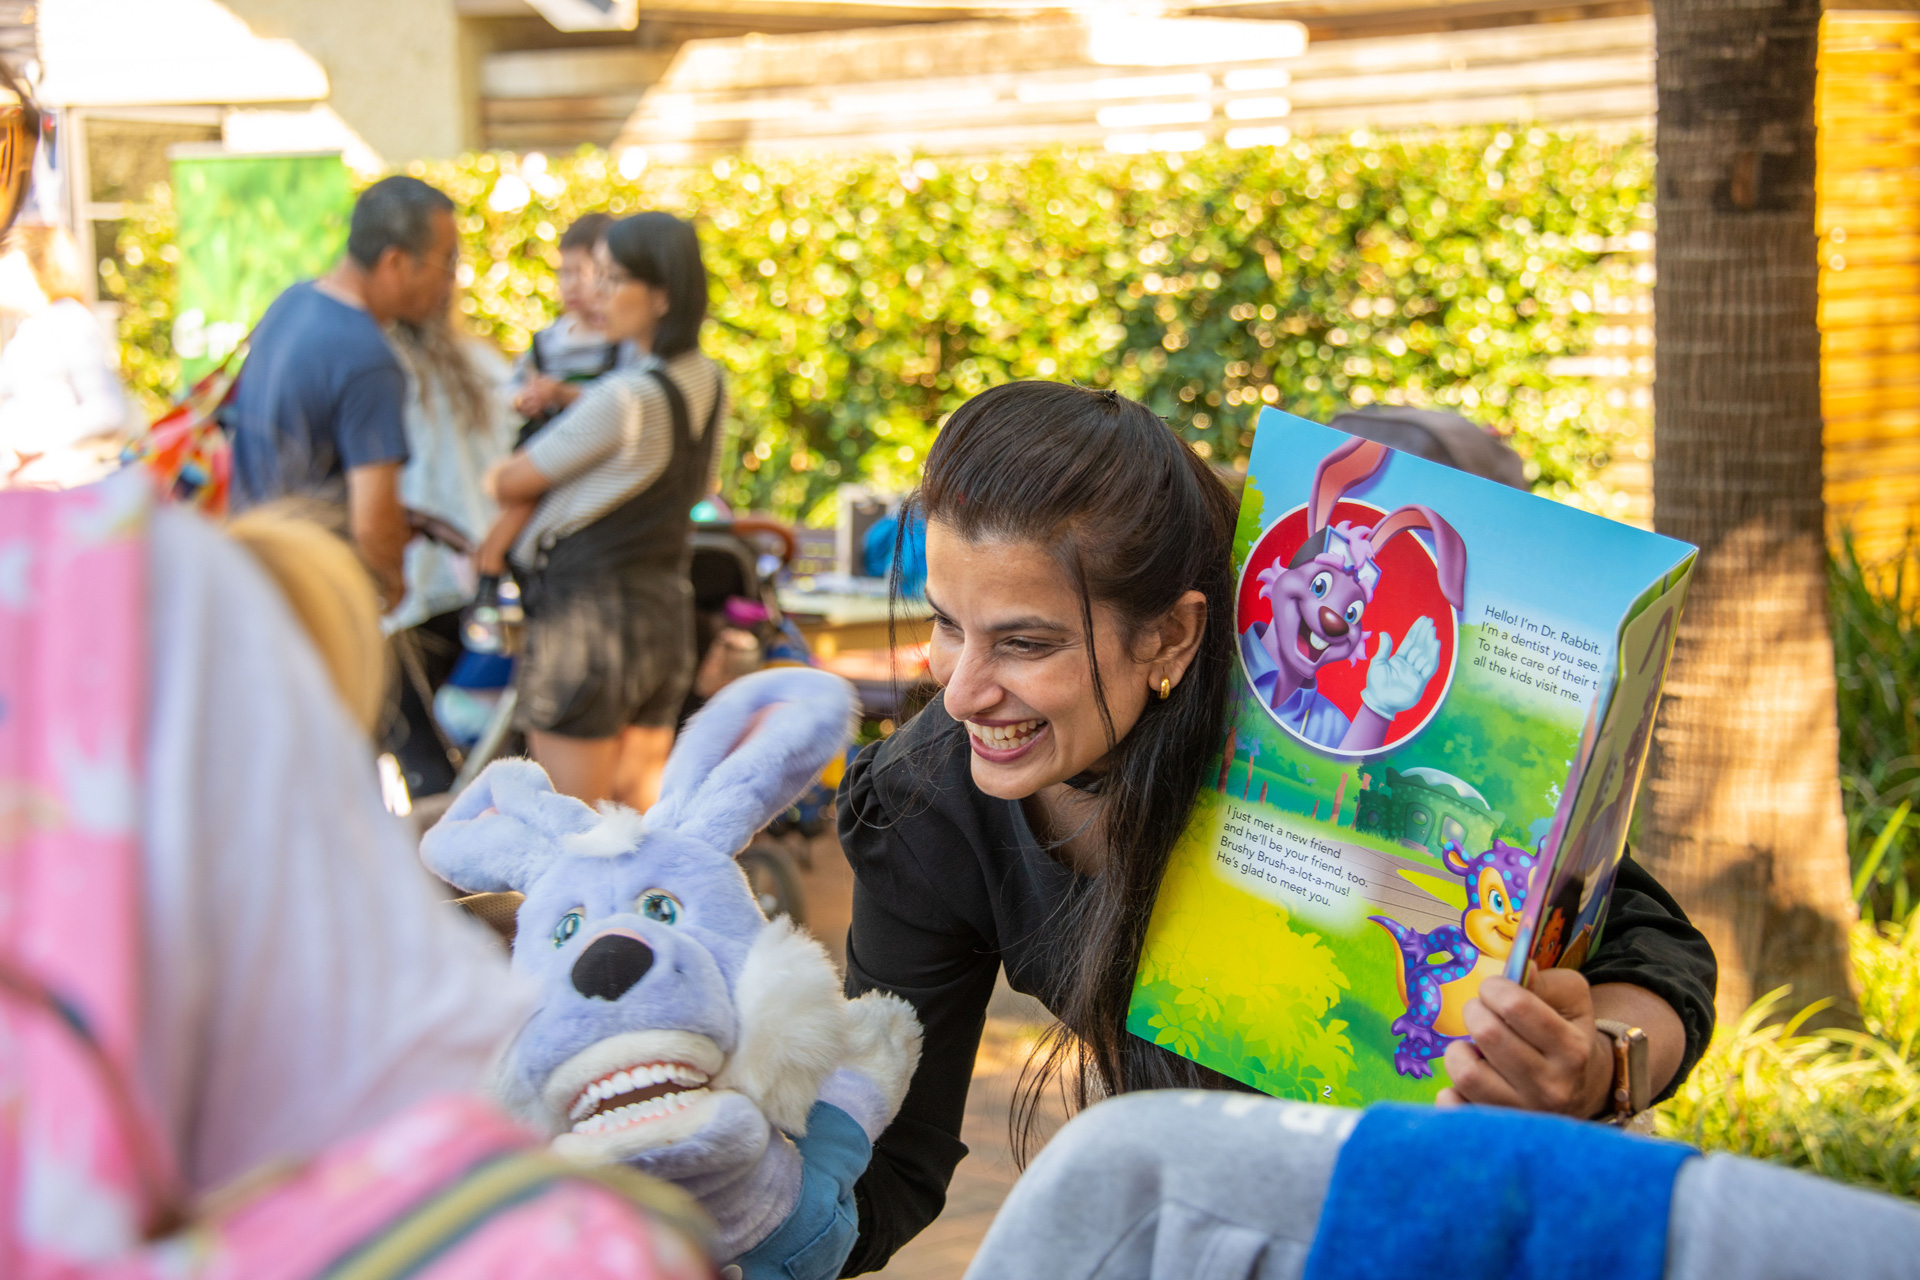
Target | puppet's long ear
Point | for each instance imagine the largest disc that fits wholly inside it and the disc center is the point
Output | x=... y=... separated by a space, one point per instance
x=502 y=831
x=1449 y=552
x=1351 y=462
x=750 y=751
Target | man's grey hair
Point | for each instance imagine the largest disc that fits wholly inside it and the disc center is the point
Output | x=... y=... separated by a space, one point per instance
x=394 y=213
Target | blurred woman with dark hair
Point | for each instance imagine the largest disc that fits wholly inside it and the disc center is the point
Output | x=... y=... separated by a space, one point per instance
x=1080 y=573
x=595 y=519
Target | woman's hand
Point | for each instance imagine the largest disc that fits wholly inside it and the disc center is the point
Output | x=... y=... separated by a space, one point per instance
x=1534 y=1048
x=490 y=557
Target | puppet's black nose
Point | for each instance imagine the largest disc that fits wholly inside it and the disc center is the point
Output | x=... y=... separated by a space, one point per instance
x=1332 y=625
x=608 y=969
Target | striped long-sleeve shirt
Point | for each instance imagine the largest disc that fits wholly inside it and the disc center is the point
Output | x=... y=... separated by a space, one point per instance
x=614 y=441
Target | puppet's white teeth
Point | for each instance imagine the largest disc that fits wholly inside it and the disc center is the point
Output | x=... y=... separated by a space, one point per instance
x=638 y=1112
x=1314 y=640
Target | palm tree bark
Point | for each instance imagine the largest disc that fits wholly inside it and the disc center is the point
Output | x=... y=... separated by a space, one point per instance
x=1743 y=819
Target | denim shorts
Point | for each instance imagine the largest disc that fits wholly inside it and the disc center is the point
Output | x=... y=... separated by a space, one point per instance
x=602 y=655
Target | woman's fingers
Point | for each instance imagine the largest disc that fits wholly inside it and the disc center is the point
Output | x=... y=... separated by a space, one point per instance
x=1507 y=1047
x=1540 y=1042
x=1475 y=1079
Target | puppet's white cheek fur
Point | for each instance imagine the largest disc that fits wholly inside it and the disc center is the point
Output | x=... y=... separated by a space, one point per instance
x=793 y=1025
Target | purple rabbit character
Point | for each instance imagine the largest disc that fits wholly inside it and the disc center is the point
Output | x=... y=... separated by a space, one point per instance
x=1319 y=600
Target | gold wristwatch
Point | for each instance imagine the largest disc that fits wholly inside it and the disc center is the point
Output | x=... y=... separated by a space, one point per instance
x=1632 y=1088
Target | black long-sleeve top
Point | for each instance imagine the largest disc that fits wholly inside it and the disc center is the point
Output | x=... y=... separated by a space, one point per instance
x=950 y=884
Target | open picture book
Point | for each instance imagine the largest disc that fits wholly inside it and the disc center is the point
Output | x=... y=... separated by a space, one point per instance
x=1444 y=695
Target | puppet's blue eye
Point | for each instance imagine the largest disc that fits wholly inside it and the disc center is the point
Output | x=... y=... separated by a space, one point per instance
x=658 y=904
x=1498 y=902
x=569 y=925
x=1321 y=584
x=1354 y=611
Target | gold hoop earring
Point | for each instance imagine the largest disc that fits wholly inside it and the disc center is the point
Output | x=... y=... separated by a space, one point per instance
x=1166 y=687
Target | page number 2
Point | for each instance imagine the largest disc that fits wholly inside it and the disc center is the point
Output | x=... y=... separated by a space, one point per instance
x=1326 y=1091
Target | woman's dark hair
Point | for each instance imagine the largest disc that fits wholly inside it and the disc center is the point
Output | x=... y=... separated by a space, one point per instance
x=661 y=250
x=1135 y=519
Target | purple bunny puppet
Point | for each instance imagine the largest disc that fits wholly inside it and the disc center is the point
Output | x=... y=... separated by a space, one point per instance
x=1319 y=599
x=677 y=1028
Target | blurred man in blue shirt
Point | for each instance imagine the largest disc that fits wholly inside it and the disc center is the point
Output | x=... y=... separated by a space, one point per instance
x=320 y=404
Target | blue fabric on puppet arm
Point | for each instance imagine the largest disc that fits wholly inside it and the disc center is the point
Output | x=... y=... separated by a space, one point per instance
x=1487 y=1192
x=814 y=1241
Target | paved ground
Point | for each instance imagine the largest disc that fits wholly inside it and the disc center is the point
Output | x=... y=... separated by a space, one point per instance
x=942 y=1251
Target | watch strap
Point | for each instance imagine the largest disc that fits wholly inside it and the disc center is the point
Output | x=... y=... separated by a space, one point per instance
x=1632 y=1086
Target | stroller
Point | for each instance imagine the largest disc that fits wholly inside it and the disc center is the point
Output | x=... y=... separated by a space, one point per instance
x=738 y=628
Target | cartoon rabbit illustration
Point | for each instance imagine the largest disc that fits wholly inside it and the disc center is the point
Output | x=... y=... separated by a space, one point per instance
x=1320 y=598
x=678 y=1029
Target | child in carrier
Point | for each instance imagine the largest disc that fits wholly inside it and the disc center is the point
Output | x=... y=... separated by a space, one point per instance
x=572 y=350
x=562 y=358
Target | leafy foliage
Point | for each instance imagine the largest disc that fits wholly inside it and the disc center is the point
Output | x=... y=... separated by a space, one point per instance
x=1246 y=531
x=141 y=277
x=1843 y=1104
x=295 y=209
x=858 y=301
x=1876 y=645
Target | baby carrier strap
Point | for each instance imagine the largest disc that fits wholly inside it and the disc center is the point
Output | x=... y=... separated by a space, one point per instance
x=647 y=533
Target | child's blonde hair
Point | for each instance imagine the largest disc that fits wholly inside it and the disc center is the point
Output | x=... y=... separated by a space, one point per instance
x=332 y=595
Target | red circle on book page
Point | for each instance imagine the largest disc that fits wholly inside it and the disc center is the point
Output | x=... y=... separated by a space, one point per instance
x=1408 y=589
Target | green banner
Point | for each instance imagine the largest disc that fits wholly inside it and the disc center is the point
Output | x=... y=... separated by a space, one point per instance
x=249 y=226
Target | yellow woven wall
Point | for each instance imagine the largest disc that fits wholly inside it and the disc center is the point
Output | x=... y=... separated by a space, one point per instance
x=1869 y=224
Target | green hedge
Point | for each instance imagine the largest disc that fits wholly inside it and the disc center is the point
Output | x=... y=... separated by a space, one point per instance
x=859 y=301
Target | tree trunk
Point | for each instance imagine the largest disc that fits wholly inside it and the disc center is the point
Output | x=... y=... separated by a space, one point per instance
x=1743 y=819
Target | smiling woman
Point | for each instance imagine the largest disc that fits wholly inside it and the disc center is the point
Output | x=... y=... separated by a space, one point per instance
x=1080 y=571
x=1076 y=551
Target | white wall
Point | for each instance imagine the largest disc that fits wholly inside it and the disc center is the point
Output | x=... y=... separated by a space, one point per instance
x=389 y=69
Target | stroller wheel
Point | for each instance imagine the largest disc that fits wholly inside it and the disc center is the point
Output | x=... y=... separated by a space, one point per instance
x=775 y=883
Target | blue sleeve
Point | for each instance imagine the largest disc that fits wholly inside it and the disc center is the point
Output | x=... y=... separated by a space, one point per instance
x=814 y=1241
x=370 y=422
